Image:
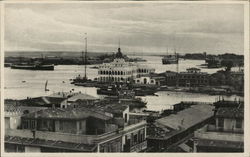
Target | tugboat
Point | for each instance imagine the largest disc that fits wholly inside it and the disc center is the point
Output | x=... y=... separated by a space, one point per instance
x=125 y=95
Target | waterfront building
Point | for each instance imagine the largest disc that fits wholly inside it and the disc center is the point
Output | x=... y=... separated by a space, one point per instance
x=226 y=134
x=81 y=129
x=193 y=77
x=146 y=79
x=171 y=78
x=121 y=71
x=13 y=112
x=12 y=116
x=172 y=131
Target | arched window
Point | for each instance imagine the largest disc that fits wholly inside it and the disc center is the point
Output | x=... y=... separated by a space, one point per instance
x=121 y=73
x=115 y=72
x=109 y=72
x=118 y=72
x=118 y=79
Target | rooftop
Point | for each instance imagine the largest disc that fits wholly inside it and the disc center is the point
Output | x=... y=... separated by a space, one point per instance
x=81 y=96
x=225 y=103
x=61 y=94
x=41 y=101
x=184 y=119
x=230 y=112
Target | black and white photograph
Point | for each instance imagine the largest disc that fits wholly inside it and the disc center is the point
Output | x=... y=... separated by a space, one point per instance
x=121 y=77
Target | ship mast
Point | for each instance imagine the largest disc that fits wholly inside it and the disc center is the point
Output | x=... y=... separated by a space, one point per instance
x=85 y=57
x=177 y=65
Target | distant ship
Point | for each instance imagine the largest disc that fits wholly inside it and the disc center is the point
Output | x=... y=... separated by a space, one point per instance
x=170 y=59
x=37 y=66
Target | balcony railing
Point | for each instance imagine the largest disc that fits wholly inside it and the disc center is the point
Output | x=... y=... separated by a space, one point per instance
x=135 y=125
x=57 y=136
x=212 y=128
x=139 y=147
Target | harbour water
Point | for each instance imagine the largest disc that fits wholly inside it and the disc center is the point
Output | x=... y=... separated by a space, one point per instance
x=20 y=84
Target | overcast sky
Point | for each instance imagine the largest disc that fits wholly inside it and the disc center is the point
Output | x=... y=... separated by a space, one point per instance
x=141 y=27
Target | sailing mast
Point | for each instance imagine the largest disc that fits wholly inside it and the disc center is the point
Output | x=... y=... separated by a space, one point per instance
x=177 y=65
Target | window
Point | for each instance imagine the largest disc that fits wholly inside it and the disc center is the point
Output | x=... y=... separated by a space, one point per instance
x=33 y=124
x=126 y=118
x=25 y=124
x=220 y=122
x=60 y=125
x=239 y=123
x=80 y=125
x=139 y=136
x=135 y=139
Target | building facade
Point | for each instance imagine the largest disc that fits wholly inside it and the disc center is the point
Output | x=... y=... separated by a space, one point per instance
x=227 y=132
x=193 y=77
x=77 y=130
x=121 y=71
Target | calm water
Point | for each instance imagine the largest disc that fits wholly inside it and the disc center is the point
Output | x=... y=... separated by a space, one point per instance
x=59 y=81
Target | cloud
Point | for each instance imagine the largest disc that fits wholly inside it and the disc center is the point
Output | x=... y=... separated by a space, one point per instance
x=140 y=26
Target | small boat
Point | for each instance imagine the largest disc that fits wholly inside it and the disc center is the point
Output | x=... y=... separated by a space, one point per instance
x=23 y=81
x=46 y=83
x=127 y=96
x=110 y=90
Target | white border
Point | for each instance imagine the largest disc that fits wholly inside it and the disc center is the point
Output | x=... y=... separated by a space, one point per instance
x=246 y=96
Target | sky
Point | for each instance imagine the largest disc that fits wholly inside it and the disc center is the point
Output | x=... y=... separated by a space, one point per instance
x=140 y=27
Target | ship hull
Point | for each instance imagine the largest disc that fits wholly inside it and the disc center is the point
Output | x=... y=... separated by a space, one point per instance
x=165 y=61
x=30 y=67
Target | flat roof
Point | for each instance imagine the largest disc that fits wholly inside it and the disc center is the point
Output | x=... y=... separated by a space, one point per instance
x=81 y=96
x=182 y=120
x=68 y=113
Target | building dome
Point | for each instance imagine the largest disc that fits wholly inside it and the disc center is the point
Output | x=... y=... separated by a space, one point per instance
x=119 y=53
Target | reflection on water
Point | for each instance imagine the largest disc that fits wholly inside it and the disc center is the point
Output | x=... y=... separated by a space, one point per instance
x=59 y=81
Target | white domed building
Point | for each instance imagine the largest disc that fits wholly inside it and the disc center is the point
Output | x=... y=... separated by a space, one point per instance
x=121 y=71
